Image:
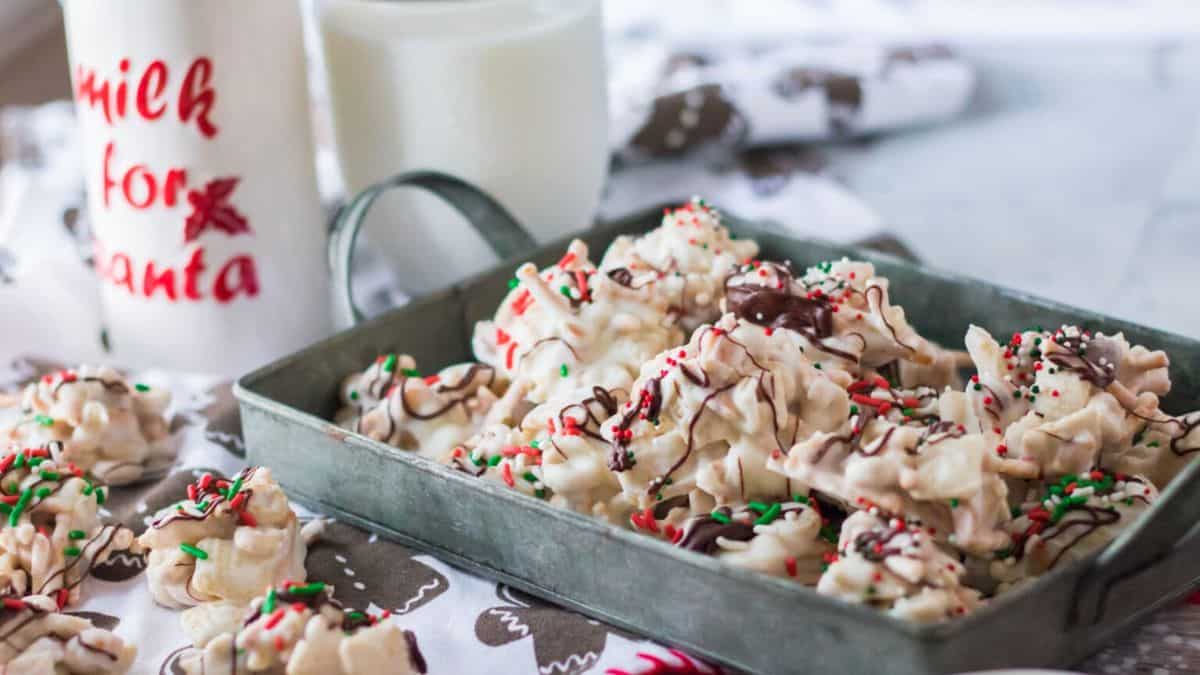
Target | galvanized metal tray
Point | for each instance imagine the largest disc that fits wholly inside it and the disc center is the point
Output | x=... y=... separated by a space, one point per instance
x=737 y=617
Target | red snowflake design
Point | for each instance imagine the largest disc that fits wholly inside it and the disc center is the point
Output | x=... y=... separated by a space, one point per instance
x=211 y=209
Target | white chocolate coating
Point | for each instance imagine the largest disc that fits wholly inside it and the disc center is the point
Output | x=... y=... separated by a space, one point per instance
x=570 y=327
x=248 y=542
x=108 y=426
x=391 y=402
x=897 y=567
x=708 y=415
x=309 y=634
x=684 y=260
x=52 y=536
x=1068 y=520
x=36 y=639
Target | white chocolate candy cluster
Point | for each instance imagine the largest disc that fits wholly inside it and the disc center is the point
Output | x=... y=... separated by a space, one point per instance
x=733 y=407
x=392 y=402
x=895 y=565
x=35 y=639
x=297 y=629
x=570 y=326
x=110 y=427
x=51 y=536
x=685 y=261
x=227 y=540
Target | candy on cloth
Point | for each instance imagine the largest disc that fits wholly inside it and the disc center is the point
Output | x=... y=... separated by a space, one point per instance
x=1067 y=520
x=392 y=402
x=301 y=630
x=684 y=261
x=840 y=312
x=107 y=425
x=571 y=326
x=708 y=415
x=897 y=567
x=35 y=638
x=226 y=541
x=52 y=537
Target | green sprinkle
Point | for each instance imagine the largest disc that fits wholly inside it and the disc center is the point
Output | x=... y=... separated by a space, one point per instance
x=513 y=283
x=15 y=517
x=356 y=616
x=88 y=490
x=71 y=551
x=233 y=490
x=43 y=492
x=99 y=497
x=954 y=502
x=1035 y=389
x=817 y=366
x=530 y=477
x=829 y=534
x=1032 y=398
x=853 y=410
x=268 y=605
x=5 y=508
x=19 y=461
x=757 y=506
x=540 y=493
x=1003 y=553
x=141 y=387
x=870 y=590
x=1152 y=444
x=563 y=370
x=771 y=514
x=800 y=498
x=44 y=420
x=533 y=444
x=978 y=387
x=1016 y=512
x=410 y=372
x=354 y=395
x=494 y=460
x=310 y=589
x=565 y=290
x=1056 y=490
x=202 y=505
x=1129 y=501
x=908 y=412
x=76 y=534
x=389 y=364
x=720 y=517
x=35 y=461
x=49 y=475
x=193 y=551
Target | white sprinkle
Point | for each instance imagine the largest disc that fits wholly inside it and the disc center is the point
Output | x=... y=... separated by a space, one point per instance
x=689 y=117
x=675 y=138
x=340 y=558
x=347 y=571
x=360 y=586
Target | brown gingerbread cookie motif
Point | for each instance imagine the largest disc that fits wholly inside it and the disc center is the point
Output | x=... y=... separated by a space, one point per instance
x=843 y=92
x=355 y=562
x=684 y=120
x=564 y=643
x=770 y=169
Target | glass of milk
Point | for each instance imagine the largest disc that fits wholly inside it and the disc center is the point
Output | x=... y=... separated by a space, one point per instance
x=507 y=94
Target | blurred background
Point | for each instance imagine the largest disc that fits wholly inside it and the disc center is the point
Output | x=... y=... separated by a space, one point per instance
x=1057 y=149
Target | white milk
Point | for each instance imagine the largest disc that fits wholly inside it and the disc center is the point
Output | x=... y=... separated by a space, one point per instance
x=507 y=94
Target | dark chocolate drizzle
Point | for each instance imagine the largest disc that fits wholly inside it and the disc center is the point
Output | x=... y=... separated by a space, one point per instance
x=1083 y=358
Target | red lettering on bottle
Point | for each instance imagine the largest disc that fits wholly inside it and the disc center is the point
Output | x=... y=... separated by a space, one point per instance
x=151 y=282
x=191 y=274
x=247 y=279
x=150 y=89
x=197 y=96
x=151 y=186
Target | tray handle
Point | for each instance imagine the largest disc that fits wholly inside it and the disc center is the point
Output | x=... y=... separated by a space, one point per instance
x=1150 y=538
x=492 y=221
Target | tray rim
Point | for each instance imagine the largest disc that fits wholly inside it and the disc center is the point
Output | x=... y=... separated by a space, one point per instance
x=932 y=632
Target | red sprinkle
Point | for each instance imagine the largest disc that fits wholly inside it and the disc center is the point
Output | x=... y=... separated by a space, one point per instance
x=506 y=474
x=865 y=400
x=13 y=603
x=501 y=336
x=62 y=597
x=508 y=357
x=581 y=281
x=7 y=462
x=205 y=481
x=191 y=491
x=299 y=607
x=279 y=646
x=790 y=563
x=275 y=618
x=246 y=519
x=522 y=303
x=882 y=383
x=566 y=260
x=431 y=380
